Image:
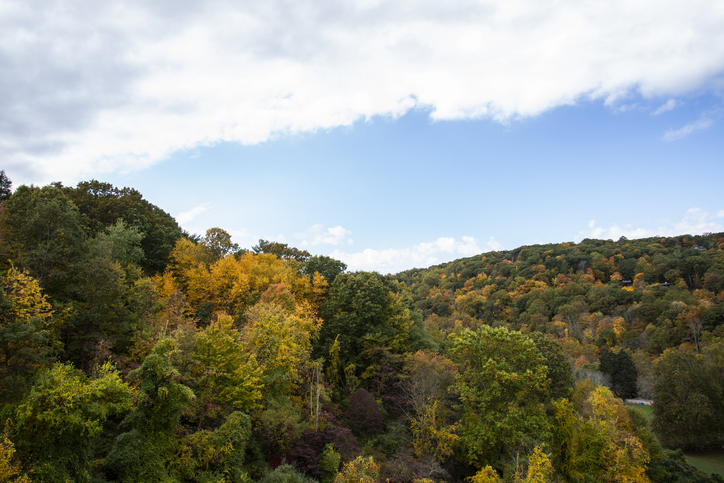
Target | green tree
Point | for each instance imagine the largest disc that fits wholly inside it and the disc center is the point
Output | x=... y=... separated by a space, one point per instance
x=59 y=419
x=224 y=373
x=101 y=309
x=560 y=371
x=328 y=267
x=281 y=250
x=621 y=368
x=688 y=405
x=502 y=382
x=218 y=244
x=102 y=205
x=363 y=314
x=5 y=186
x=286 y=473
x=118 y=243
x=598 y=443
x=44 y=232
x=216 y=455
x=144 y=452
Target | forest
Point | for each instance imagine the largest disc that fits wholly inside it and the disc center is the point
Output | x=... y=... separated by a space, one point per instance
x=133 y=351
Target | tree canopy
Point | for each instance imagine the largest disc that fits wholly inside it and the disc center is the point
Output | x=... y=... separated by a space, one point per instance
x=132 y=351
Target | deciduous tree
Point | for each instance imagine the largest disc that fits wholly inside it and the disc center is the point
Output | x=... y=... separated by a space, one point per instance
x=59 y=419
x=687 y=409
x=143 y=453
x=29 y=335
x=44 y=231
x=502 y=382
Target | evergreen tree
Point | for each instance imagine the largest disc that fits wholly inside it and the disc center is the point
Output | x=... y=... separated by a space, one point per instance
x=5 y=186
x=621 y=369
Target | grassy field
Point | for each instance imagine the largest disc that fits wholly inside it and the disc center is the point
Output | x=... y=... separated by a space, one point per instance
x=645 y=410
x=706 y=461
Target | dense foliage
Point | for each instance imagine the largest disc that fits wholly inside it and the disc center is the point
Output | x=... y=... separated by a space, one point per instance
x=131 y=351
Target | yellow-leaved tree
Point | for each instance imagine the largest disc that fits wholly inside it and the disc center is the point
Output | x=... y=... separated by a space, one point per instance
x=232 y=283
x=597 y=442
x=360 y=470
x=225 y=374
x=28 y=332
x=278 y=333
x=10 y=469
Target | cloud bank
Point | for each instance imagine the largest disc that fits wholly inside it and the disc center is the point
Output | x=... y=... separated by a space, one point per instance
x=695 y=222
x=318 y=235
x=421 y=255
x=93 y=87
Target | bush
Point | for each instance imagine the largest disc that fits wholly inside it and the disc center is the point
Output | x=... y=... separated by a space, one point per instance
x=364 y=415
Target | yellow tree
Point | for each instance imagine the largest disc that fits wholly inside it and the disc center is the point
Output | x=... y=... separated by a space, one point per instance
x=28 y=331
x=426 y=389
x=540 y=469
x=486 y=475
x=278 y=333
x=230 y=283
x=10 y=470
x=624 y=457
x=186 y=256
x=432 y=437
x=26 y=296
x=225 y=373
x=600 y=443
x=360 y=470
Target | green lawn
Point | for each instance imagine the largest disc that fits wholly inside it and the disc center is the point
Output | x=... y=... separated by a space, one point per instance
x=645 y=410
x=706 y=461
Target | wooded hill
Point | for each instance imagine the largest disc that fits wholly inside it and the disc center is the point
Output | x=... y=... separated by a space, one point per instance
x=132 y=351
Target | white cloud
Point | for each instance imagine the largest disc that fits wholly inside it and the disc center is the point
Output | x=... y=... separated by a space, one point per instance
x=694 y=222
x=188 y=216
x=673 y=135
x=421 y=255
x=697 y=221
x=93 y=87
x=494 y=245
x=318 y=235
x=239 y=235
x=669 y=105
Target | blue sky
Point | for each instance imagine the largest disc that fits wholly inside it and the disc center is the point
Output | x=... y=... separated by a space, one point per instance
x=389 y=135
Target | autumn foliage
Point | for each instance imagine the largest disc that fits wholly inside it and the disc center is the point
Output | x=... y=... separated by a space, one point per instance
x=132 y=351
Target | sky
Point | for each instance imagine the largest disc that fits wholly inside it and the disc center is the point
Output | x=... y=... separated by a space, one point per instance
x=386 y=134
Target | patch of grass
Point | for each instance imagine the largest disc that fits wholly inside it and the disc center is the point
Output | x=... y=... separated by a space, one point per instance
x=706 y=461
x=647 y=411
